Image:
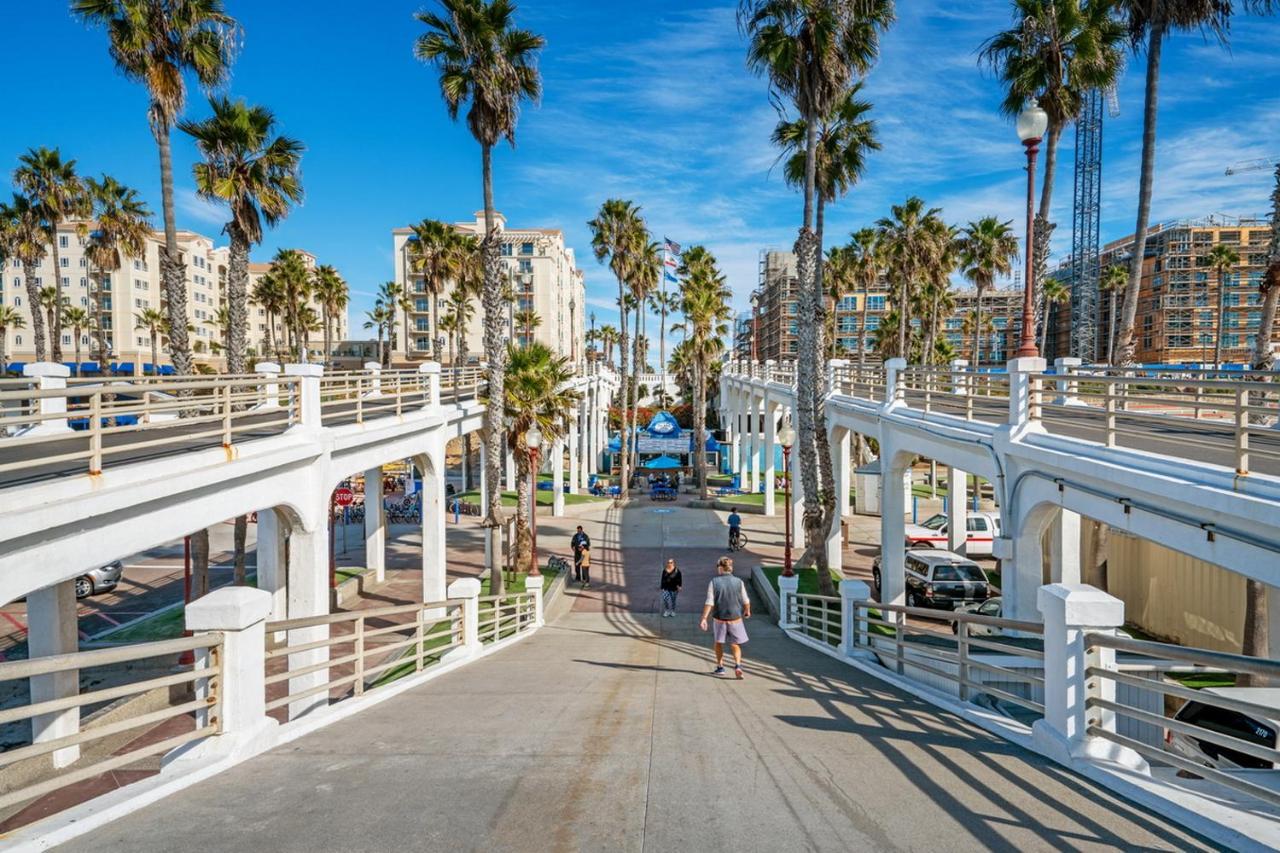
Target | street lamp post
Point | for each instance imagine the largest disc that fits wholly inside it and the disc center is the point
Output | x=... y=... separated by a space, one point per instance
x=533 y=441
x=787 y=437
x=1032 y=123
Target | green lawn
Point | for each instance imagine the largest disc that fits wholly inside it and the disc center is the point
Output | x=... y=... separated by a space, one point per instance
x=165 y=625
x=544 y=498
x=808 y=584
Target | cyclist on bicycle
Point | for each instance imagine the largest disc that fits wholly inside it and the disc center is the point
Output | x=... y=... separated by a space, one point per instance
x=735 y=528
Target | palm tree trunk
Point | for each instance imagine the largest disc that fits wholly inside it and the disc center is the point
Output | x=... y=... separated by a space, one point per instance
x=1125 y=346
x=496 y=356
x=1044 y=323
x=241 y=534
x=237 y=300
x=4 y=350
x=1217 y=326
x=808 y=258
x=624 y=443
x=155 y=354
x=37 y=318
x=524 y=493
x=172 y=270
x=700 y=423
x=862 y=331
x=904 y=318
x=977 y=330
x=1111 y=332
x=1050 y=168
x=75 y=331
x=55 y=313
x=435 y=334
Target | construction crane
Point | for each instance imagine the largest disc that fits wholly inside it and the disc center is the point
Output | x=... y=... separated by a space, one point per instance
x=1261 y=164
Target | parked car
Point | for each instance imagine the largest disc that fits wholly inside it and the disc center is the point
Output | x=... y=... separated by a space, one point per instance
x=1246 y=727
x=98 y=580
x=993 y=607
x=942 y=579
x=982 y=529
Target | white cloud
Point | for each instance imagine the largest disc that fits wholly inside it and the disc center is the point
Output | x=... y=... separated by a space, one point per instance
x=193 y=206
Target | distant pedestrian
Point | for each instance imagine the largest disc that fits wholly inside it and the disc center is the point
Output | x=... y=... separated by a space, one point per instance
x=579 y=541
x=670 y=584
x=735 y=527
x=584 y=566
x=728 y=605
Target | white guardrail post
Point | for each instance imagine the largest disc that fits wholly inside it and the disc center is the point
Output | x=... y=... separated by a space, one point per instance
x=851 y=592
x=49 y=376
x=1021 y=391
x=533 y=586
x=309 y=388
x=468 y=591
x=431 y=370
x=894 y=394
x=1069 y=611
x=1069 y=384
x=769 y=364
x=270 y=373
x=239 y=613
x=374 y=369
x=787 y=587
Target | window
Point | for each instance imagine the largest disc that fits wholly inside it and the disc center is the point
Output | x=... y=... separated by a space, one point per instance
x=875 y=303
x=791 y=309
x=62 y=244
x=17 y=300
x=422 y=324
x=66 y=282
x=526 y=266
x=848 y=303
x=526 y=248
x=82 y=263
x=976 y=524
x=505 y=250
x=421 y=305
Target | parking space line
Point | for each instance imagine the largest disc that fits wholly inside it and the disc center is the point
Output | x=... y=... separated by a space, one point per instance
x=16 y=623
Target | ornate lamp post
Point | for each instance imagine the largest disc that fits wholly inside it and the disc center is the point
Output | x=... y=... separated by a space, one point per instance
x=1032 y=123
x=533 y=441
x=787 y=438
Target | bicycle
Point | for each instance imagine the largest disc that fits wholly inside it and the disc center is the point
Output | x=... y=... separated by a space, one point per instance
x=738 y=542
x=557 y=564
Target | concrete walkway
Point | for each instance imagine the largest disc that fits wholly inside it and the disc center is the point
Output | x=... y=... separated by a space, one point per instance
x=606 y=731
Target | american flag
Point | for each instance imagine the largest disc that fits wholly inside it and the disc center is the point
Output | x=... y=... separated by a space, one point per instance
x=673 y=248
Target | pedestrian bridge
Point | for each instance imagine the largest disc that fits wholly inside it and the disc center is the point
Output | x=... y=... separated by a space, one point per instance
x=464 y=719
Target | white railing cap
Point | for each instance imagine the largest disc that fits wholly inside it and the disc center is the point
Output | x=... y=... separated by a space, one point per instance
x=231 y=608
x=372 y=365
x=266 y=367
x=429 y=367
x=464 y=588
x=534 y=582
x=304 y=370
x=46 y=368
x=1080 y=605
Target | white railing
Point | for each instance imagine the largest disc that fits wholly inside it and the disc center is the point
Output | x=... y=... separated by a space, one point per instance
x=374 y=644
x=64 y=763
x=505 y=616
x=816 y=616
x=1254 y=761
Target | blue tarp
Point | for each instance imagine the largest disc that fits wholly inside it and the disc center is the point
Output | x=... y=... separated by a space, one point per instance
x=662 y=463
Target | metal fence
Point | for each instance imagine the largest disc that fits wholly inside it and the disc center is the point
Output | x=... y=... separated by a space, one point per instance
x=199 y=683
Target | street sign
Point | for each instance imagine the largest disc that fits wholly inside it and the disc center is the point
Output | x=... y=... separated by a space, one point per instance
x=344 y=497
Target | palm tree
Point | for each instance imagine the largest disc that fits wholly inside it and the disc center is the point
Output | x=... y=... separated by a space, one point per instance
x=988 y=248
x=1114 y=280
x=330 y=288
x=535 y=395
x=289 y=271
x=390 y=294
x=1152 y=20
x=51 y=302
x=123 y=226
x=608 y=336
x=26 y=240
x=865 y=249
x=269 y=293
x=155 y=322
x=78 y=319
x=1221 y=259
x=1054 y=54
x=527 y=320
x=937 y=299
x=1053 y=291
x=642 y=281
x=704 y=301
x=1263 y=357
x=663 y=303
x=618 y=233
x=977 y=326
x=10 y=318
x=156 y=43
x=909 y=242
x=431 y=252
x=380 y=318
x=485 y=61
x=811 y=50
x=58 y=194
x=256 y=174
x=448 y=325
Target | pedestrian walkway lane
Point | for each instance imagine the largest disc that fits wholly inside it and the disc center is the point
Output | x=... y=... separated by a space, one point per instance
x=605 y=731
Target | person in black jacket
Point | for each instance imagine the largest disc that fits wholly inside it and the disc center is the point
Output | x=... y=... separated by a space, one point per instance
x=578 y=543
x=670 y=584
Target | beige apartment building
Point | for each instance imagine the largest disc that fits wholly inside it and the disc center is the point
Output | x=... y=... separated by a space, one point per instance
x=545 y=279
x=132 y=289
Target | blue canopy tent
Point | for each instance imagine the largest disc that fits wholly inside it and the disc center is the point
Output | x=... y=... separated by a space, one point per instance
x=662 y=463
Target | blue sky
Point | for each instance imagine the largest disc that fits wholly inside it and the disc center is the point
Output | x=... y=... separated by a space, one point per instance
x=649 y=101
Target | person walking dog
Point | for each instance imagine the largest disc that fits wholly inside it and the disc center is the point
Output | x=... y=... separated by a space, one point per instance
x=728 y=605
x=670 y=584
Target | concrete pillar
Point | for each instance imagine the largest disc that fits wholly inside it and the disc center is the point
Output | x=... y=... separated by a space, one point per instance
x=374 y=369
x=557 y=478
x=49 y=376
x=957 y=510
x=273 y=529
x=534 y=587
x=754 y=441
x=468 y=590
x=510 y=479
x=850 y=591
x=786 y=591
x=735 y=452
x=839 y=441
x=1069 y=611
x=239 y=613
x=430 y=371
x=796 y=484
x=309 y=382
x=1069 y=384
x=770 y=442
x=308 y=595
x=270 y=373
x=893 y=531
x=434 y=557
x=375 y=524
x=1064 y=547
x=53 y=629
x=575 y=471
x=1273 y=624
x=1020 y=371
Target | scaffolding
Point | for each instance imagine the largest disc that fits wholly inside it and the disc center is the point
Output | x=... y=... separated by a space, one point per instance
x=1086 y=229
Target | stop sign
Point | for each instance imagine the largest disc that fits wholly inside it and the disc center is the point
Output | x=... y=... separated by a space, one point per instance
x=344 y=497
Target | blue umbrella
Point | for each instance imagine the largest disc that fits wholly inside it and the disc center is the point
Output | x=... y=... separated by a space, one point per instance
x=662 y=463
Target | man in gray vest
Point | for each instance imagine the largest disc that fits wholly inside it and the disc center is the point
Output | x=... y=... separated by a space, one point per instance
x=728 y=605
